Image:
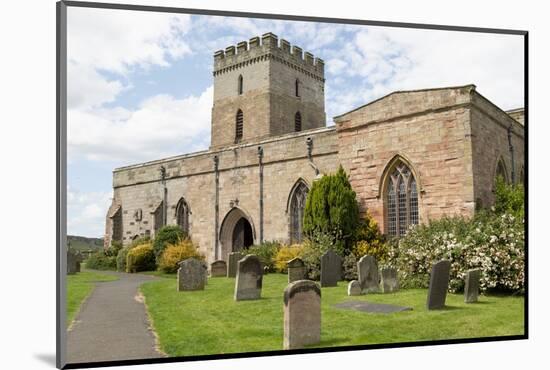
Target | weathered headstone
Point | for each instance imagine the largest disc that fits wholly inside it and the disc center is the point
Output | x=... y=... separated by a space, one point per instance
x=248 y=284
x=439 y=283
x=73 y=262
x=233 y=258
x=367 y=270
x=471 y=286
x=302 y=314
x=354 y=288
x=389 y=281
x=191 y=275
x=218 y=268
x=296 y=270
x=331 y=269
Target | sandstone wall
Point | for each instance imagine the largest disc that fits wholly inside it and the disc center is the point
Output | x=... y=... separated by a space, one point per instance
x=429 y=130
x=489 y=144
x=285 y=161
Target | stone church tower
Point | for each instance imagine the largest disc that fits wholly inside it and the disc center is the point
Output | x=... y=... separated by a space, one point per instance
x=263 y=90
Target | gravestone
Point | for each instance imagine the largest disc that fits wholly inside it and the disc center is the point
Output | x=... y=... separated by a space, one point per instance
x=248 y=284
x=471 y=286
x=218 y=268
x=367 y=270
x=233 y=258
x=296 y=270
x=331 y=269
x=302 y=314
x=191 y=275
x=354 y=288
x=439 y=284
x=389 y=281
x=73 y=262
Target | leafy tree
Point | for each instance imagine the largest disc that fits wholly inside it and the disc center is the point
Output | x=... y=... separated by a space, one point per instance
x=331 y=211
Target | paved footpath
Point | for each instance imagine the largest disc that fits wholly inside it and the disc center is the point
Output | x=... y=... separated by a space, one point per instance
x=112 y=324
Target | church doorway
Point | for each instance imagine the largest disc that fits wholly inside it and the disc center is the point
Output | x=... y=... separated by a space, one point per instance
x=236 y=232
x=242 y=235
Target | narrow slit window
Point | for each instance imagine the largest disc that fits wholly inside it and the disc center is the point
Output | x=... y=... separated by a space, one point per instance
x=297 y=88
x=297 y=122
x=240 y=85
x=239 y=126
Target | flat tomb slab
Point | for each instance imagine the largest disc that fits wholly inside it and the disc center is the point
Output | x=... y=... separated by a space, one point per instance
x=371 y=307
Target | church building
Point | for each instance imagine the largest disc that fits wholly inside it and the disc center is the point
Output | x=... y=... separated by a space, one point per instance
x=411 y=156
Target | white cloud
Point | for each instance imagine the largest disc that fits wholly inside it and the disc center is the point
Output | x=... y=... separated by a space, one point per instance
x=86 y=212
x=161 y=126
x=117 y=40
x=382 y=60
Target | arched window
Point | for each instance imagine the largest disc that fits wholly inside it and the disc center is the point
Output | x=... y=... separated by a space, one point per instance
x=239 y=126
x=297 y=88
x=182 y=215
x=401 y=200
x=297 y=206
x=297 y=122
x=240 y=85
x=501 y=171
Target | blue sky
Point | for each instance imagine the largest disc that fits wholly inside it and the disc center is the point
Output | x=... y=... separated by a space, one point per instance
x=140 y=83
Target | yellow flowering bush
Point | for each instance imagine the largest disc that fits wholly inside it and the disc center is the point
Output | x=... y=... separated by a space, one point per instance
x=174 y=253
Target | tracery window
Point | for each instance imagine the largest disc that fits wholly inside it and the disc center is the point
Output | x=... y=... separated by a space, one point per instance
x=182 y=215
x=297 y=206
x=239 y=126
x=297 y=122
x=401 y=200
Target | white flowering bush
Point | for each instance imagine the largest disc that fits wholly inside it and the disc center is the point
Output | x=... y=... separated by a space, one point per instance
x=489 y=241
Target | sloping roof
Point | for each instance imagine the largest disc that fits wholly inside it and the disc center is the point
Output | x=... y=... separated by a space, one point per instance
x=434 y=91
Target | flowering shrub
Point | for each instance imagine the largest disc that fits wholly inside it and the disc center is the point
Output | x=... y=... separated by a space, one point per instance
x=491 y=242
x=174 y=253
x=141 y=258
x=285 y=254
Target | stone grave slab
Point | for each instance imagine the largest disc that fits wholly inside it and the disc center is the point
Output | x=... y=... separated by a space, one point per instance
x=471 y=286
x=371 y=307
x=331 y=269
x=248 y=284
x=302 y=314
x=367 y=271
x=439 y=284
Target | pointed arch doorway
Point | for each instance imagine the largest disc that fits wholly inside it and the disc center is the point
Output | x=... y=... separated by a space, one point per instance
x=236 y=232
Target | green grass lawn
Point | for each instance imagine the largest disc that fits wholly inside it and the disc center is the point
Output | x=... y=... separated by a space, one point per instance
x=79 y=286
x=211 y=322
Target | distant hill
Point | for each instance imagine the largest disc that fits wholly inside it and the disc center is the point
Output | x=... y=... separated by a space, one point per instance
x=84 y=243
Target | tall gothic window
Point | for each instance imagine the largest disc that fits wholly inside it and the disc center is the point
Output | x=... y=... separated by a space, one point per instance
x=297 y=205
x=240 y=85
x=401 y=200
x=297 y=122
x=182 y=215
x=239 y=126
x=297 y=88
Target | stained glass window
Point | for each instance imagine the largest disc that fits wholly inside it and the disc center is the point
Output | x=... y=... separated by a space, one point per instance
x=401 y=200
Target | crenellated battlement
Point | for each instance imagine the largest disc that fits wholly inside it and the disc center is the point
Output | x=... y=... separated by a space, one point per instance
x=268 y=47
